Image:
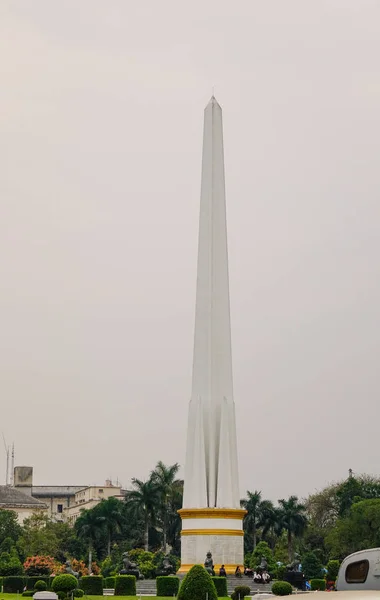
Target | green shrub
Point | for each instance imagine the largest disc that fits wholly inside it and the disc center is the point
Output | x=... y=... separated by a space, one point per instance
x=125 y=585
x=30 y=582
x=279 y=572
x=332 y=570
x=318 y=584
x=109 y=582
x=92 y=585
x=281 y=588
x=40 y=586
x=221 y=586
x=12 y=585
x=262 y=550
x=167 y=585
x=312 y=566
x=197 y=585
x=62 y=595
x=10 y=564
x=28 y=593
x=78 y=593
x=240 y=592
x=148 y=569
x=64 y=583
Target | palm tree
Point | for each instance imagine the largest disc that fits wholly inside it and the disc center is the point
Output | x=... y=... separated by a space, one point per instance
x=252 y=518
x=269 y=522
x=293 y=519
x=111 y=516
x=88 y=527
x=143 y=502
x=165 y=478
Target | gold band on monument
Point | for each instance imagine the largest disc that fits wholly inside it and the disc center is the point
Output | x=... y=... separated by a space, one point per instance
x=212 y=513
x=237 y=532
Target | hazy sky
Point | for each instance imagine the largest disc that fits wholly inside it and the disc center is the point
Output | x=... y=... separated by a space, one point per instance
x=101 y=117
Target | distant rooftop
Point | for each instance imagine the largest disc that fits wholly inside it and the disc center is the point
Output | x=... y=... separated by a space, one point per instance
x=11 y=497
x=56 y=490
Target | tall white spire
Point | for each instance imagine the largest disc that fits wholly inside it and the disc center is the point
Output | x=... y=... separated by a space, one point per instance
x=211 y=473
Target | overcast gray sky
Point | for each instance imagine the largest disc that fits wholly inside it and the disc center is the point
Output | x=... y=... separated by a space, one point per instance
x=101 y=117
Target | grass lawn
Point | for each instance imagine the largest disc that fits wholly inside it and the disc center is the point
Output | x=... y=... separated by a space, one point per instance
x=19 y=597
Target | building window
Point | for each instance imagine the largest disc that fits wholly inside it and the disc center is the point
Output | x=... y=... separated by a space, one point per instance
x=357 y=572
x=60 y=508
x=100 y=491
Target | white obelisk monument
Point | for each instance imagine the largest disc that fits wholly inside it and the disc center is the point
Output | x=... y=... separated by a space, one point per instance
x=212 y=520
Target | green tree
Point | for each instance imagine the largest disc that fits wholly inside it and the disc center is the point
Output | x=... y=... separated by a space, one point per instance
x=143 y=502
x=88 y=527
x=357 y=531
x=262 y=550
x=9 y=527
x=110 y=514
x=168 y=485
x=312 y=566
x=269 y=521
x=252 y=505
x=292 y=518
x=38 y=537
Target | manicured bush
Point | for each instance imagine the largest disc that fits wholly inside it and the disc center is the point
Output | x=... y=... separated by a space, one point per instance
x=281 y=588
x=221 y=586
x=64 y=583
x=240 y=592
x=30 y=582
x=29 y=593
x=125 y=585
x=92 y=585
x=62 y=595
x=197 y=585
x=12 y=585
x=109 y=583
x=40 y=586
x=78 y=593
x=167 y=585
x=332 y=570
x=318 y=584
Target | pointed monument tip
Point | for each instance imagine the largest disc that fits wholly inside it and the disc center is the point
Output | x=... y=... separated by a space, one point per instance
x=213 y=102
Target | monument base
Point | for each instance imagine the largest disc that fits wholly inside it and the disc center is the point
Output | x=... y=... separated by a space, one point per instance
x=215 y=530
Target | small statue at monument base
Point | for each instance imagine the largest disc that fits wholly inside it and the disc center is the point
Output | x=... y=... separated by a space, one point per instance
x=209 y=564
x=130 y=568
x=69 y=569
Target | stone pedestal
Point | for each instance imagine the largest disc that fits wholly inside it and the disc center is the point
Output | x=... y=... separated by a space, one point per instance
x=215 y=530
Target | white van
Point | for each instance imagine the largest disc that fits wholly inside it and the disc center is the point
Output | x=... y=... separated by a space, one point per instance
x=360 y=571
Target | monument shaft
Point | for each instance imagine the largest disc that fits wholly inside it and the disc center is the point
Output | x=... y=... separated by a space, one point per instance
x=211 y=514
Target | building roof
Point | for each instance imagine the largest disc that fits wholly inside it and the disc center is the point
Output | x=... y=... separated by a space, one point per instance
x=11 y=497
x=51 y=491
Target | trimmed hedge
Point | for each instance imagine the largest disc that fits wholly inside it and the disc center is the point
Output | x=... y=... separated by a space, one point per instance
x=12 y=585
x=78 y=593
x=167 y=585
x=92 y=585
x=125 y=585
x=109 y=583
x=40 y=586
x=64 y=583
x=282 y=588
x=197 y=585
x=221 y=586
x=30 y=582
x=29 y=593
x=318 y=584
x=241 y=591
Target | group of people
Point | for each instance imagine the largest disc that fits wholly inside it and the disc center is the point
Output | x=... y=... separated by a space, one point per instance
x=259 y=576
